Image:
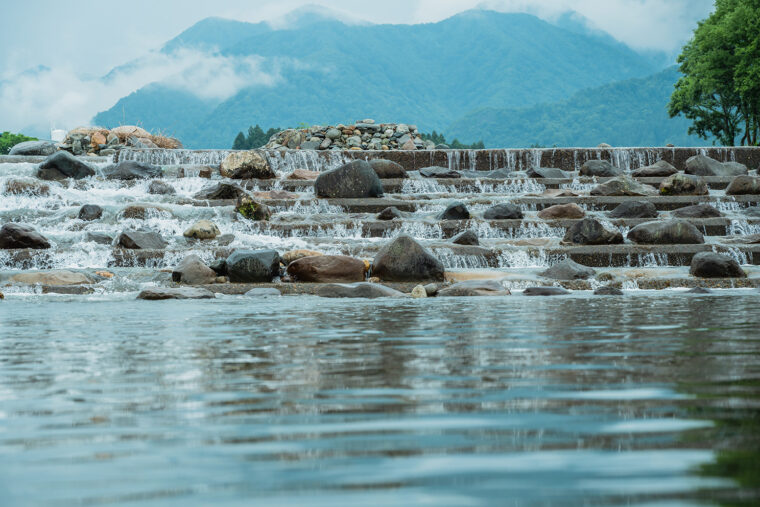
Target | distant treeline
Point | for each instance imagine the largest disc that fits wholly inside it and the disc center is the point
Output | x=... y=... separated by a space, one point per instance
x=455 y=144
x=256 y=138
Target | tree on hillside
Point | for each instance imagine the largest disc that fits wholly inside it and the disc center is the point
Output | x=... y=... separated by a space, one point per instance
x=455 y=144
x=256 y=138
x=720 y=89
x=8 y=141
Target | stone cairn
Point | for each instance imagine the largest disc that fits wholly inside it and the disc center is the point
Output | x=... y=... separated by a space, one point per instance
x=98 y=141
x=363 y=135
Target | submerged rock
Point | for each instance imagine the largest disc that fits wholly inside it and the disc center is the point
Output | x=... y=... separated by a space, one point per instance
x=568 y=269
x=697 y=211
x=545 y=291
x=474 y=288
x=455 y=211
x=608 y=290
x=466 y=238
x=62 y=165
x=358 y=290
x=158 y=294
x=100 y=238
x=599 y=168
x=263 y=292
x=356 y=179
x=143 y=212
x=253 y=266
x=660 y=168
x=715 y=265
x=699 y=290
x=327 y=268
x=387 y=169
x=560 y=211
x=389 y=213
x=192 y=270
x=634 y=209
x=504 y=211
x=141 y=240
x=669 y=232
x=701 y=165
x=202 y=229
x=623 y=185
x=246 y=165
x=405 y=260
x=592 y=232
x=13 y=236
x=684 y=184
x=130 y=170
x=90 y=212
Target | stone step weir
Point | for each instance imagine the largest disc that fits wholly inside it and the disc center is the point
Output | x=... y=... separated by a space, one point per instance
x=513 y=251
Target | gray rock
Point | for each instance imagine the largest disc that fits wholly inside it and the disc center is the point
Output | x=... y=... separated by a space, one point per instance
x=568 y=270
x=505 y=211
x=439 y=172
x=158 y=294
x=608 y=290
x=387 y=169
x=701 y=165
x=358 y=290
x=634 y=209
x=466 y=238
x=310 y=145
x=219 y=266
x=62 y=165
x=356 y=179
x=34 y=148
x=600 y=168
x=669 y=232
x=592 y=232
x=14 y=235
x=405 y=260
x=545 y=291
x=389 y=213
x=263 y=292
x=623 y=185
x=699 y=290
x=715 y=265
x=455 y=211
x=253 y=266
x=141 y=240
x=546 y=172
x=90 y=212
x=474 y=288
x=744 y=185
x=100 y=238
x=333 y=133
x=657 y=169
x=158 y=187
x=697 y=211
x=221 y=191
x=192 y=270
x=130 y=170
x=684 y=184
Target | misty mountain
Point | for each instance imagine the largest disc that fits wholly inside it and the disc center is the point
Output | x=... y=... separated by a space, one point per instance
x=326 y=71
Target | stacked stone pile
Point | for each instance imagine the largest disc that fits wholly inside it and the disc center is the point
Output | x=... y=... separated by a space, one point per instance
x=363 y=135
x=104 y=142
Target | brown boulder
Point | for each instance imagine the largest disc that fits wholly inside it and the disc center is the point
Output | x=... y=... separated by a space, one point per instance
x=303 y=175
x=559 y=211
x=327 y=268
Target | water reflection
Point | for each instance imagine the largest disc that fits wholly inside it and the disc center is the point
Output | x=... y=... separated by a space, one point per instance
x=571 y=400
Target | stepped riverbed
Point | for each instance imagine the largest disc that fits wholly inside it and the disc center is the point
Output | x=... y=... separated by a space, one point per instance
x=405 y=361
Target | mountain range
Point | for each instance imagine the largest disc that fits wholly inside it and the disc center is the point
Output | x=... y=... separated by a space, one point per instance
x=509 y=79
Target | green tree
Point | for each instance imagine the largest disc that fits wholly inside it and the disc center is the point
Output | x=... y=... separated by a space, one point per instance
x=256 y=138
x=240 y=142
x=455 y=144
x=8 y=141
x=720 y=88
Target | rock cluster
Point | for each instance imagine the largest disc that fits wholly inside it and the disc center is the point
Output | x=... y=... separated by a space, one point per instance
x=102 y=141
x=363 y=135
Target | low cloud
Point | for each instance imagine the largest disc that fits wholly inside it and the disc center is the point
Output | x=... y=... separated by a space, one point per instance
x=34 y=100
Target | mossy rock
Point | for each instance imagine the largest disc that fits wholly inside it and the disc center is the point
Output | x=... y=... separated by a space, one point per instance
x=253 y=210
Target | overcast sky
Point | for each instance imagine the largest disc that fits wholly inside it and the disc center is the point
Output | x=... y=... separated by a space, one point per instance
x=80 y=42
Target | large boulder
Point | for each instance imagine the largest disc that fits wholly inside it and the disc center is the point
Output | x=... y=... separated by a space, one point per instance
x=592 y=232
x=358 y=290
x=252 y=209
x=568 y=270
x=562 y=211
x=246 y=165
x=684 y=184
x=658 y=169
x=62 y=165
x=466 y=238
x=634 y=209
x=202 y=229
x=455 y=211
x=474 y=288
x=353 y=180
x=504 y=211
x=623 y=185
x=600 y=168
x=744 y=185
x=670 y=232
x=131 y=170
x=90 y=212
x=700 y=165
x=141 y=240
x=715 y=265
x=55 y=277
x=221 y=191
x=387 y=169
x=697 y=211
x=158 y=293
x=327 y=268
x=405 y=260
x=439 y=172
x=15 y=235
x=34 y=148
x=192 y=270
x=253 y=266
x=546 y=172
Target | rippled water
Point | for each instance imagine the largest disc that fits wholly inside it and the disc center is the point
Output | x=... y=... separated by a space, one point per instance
x=648 y=399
